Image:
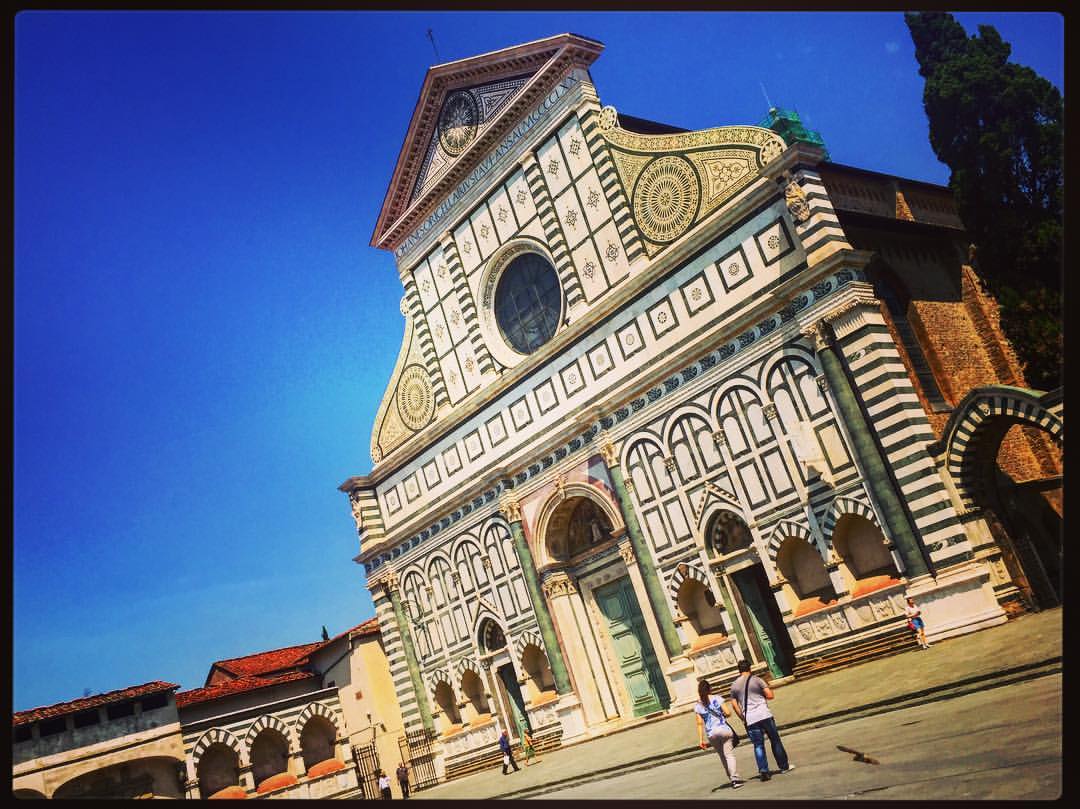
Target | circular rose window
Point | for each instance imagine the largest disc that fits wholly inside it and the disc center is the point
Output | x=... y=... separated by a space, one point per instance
x=528 y=302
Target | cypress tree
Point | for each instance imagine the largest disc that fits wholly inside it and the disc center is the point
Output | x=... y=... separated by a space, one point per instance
x=999 y=127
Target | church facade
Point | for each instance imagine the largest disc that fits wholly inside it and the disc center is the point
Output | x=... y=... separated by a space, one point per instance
x=650 y=415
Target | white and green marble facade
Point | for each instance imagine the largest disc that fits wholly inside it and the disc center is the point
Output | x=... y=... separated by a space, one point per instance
x=690 y=363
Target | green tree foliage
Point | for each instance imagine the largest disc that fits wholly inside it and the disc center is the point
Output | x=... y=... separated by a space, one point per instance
x=999 y=127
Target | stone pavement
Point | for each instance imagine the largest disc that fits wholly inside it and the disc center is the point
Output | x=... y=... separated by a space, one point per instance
x=1026 y=647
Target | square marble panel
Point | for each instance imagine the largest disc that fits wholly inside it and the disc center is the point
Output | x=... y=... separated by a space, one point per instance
x=629 y=339
x=520 y=413
x=773 y=242
x=573 y=380
x=734 y=269
x=662 y=317
x=393 y=501
x=697 y=293
x=451 y=461
x=496 y=430
x=600 y=361
x=546 y=398
x=431 y=475
x=474 y=447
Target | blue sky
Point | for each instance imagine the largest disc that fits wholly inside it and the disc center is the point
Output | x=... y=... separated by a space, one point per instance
x=202 y=333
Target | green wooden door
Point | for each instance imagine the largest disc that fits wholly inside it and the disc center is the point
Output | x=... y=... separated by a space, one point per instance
x=765 y=619
x=517 y=701
x=633 y=649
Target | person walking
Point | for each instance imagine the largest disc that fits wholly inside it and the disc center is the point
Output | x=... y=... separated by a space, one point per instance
x=712 y=713
x=915 y=622
x=527 y=749
x=403 y=779
x=384 y=785
x=508 y=753
x=750 y=696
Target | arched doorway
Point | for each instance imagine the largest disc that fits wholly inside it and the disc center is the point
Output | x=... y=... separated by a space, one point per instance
x=156 y=777
x=1003 y=451
x=598 y=610
x=727 y=534
x=492 y=641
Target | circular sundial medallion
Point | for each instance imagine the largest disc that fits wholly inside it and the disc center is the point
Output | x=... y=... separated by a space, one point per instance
x=457 y=122
x=415 y=400
x=666 y=198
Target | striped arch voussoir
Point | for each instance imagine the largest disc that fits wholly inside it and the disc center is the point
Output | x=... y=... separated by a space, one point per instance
x=436 y=677
x=846 y=505
x=786 y=529
x=684 y=571
x=269 y=721
x=318 y=709
x=218 y=736
x=984 y=415
x=524 y=639
x=463 y=665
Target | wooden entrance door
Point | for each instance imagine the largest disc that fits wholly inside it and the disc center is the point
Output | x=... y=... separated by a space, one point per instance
x=633 y=649
x=765 y=619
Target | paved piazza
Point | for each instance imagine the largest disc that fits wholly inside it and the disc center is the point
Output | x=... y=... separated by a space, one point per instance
x=996 y=744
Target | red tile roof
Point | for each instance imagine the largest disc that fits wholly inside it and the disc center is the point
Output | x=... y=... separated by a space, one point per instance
x=260 y=663
x=237 y=686
x=95 y=701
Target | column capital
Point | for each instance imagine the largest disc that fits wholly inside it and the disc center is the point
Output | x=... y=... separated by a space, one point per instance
x=510 y=508
x=626 y=551
x=527 y=160
x=608 y=451
x=719 y=438
x=820 y=334
x=822 y=382
x=559 y=583
x=851 y=314
x=770 y=411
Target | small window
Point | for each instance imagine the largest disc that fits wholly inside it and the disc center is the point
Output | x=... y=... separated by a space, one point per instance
x=121 y=710
x=155 y=701
x=22 y=733
x=50 y=727
x=85 y=719
x=330 y=684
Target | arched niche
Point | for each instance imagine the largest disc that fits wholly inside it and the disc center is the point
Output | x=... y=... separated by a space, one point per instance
x=539 y=681
x=704 y=623
x=807 y=582
x=725 y=533
x=317 y=738
x=865 y=559
x=218 y=767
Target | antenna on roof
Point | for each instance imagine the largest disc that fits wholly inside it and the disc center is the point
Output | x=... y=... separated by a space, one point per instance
x=765 y=94
x=431 y=36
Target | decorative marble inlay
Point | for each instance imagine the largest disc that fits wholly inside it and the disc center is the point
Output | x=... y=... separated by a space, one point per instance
x=502 y=214
x=553 y=167
x=457 y=122
x=589 y=270
x=571 y=218
x=612 y=252
x=415 y=399
x=520 y=196
x=593 y=200
x=575 y=147
x=666 y=198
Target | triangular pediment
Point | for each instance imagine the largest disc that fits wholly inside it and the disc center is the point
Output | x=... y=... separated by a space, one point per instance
x=464 y=109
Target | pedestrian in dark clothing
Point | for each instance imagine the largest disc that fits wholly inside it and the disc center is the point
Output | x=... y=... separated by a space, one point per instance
x=750 y=695
x=508 y=753
x=403 y=779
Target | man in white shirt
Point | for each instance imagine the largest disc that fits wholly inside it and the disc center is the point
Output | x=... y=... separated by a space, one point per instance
x=750 y=695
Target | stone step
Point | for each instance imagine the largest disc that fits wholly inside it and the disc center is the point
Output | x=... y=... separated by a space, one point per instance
x=492 y=759
x=893 y=642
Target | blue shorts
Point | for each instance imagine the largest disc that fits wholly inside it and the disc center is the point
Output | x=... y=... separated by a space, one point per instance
x=916 y=623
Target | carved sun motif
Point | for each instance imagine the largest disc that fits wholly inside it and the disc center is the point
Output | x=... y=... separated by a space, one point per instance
x=457 y=122
x=666 y=198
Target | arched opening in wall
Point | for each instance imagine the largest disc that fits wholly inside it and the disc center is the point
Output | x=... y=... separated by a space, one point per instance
x=27 y=794
x=218 y=768
x=1022 y=491
x=539 y=681
x=492 y=638
x=576 y=526
x=269 y=757
x=727 y=533
x=317 y=741
x=156 y=777
x=704 y=625
x=477 y=708
x=447 y=702
x=808 y=582
x=866 y=559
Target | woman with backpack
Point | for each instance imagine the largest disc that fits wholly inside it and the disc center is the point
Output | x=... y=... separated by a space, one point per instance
x=712 y=713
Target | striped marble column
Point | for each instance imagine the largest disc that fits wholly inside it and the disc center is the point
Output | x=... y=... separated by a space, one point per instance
x=388 y=608
x=556 y=242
